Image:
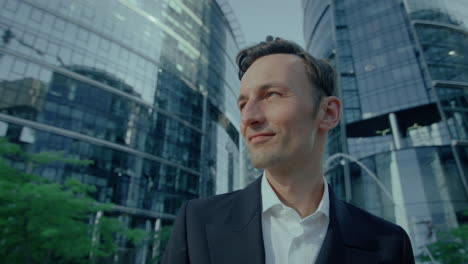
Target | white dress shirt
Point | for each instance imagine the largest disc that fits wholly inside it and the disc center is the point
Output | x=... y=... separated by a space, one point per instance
x=287 y=237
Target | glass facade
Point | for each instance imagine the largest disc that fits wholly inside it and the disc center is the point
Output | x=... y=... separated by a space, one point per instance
x=145 y=89
x=426 y=191
x=403 y=80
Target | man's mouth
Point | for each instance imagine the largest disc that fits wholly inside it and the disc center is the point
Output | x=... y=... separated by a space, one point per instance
x=260 y=137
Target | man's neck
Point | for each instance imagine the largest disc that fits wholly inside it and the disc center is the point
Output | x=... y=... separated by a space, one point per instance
x=299 y=189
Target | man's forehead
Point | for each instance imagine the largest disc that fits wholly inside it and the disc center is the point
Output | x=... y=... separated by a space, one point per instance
x=271 y=70
x=270 y=66
x=265 y=86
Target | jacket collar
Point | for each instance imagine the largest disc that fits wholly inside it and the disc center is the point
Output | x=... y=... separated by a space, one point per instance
x=245 y=206
x=347 y=241
x=240 y=238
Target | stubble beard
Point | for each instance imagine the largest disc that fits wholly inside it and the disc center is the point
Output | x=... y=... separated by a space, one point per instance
x=265 y=157
x=262 y=159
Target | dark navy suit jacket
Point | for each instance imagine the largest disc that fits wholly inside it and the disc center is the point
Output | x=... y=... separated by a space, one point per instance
x=227 y=229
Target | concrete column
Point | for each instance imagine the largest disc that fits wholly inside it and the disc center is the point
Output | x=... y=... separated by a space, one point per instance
x=395 y=130
x=156 y=244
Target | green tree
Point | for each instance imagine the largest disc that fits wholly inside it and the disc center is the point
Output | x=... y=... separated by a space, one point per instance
x=45 y=222
x=451 y=247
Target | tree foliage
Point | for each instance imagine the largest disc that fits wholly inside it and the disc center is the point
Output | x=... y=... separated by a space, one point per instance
x=451 y=247
x=42 y=221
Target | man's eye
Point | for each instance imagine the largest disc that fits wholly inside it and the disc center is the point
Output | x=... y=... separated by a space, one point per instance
x=270 y=94
x=241 y=106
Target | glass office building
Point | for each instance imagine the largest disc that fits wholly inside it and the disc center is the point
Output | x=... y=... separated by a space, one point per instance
x=403 y=79
x=146 y=89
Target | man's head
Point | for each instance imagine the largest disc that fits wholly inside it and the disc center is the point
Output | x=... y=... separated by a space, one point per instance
x=320 y=73
x=286 y=102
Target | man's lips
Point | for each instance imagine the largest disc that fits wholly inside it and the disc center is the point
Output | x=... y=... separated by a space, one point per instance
x=260 y=135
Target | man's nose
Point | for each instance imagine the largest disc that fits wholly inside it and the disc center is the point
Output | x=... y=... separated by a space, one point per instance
x=252 y=114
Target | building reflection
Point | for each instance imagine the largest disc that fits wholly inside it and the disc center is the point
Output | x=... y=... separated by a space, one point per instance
x=403 y=79
x=145 y=89
x=23 y=97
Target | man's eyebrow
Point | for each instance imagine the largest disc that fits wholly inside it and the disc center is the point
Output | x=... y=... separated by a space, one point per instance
x=240 y=98
x=263 y=88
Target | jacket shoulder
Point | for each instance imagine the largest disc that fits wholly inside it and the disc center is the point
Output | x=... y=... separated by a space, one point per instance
x=375 y=224
x=210 y=208
x=216 y=200
x=391 y=240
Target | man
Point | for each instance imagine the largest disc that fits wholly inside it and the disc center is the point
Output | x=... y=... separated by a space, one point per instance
x=289 y=215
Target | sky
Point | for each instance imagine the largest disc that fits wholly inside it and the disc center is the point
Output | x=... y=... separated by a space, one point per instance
x=279 y=18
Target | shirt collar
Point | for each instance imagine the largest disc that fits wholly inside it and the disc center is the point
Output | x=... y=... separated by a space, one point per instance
x=270 y=199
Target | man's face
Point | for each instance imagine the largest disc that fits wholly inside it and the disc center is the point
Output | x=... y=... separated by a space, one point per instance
x=276 y=103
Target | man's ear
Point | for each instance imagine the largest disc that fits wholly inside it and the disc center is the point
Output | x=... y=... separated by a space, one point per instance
x=331 y=112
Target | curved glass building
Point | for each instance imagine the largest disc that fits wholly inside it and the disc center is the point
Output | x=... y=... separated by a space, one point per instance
x=403 y=79
x=146 y=89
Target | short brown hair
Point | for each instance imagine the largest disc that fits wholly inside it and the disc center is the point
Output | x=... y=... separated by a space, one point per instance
x=319 y=71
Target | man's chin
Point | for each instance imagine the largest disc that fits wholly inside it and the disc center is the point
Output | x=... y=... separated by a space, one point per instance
x=262 y=160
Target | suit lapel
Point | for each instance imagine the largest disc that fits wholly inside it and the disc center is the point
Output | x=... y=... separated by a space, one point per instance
x=332 y=250
x=346 y=241
x=239 y=239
